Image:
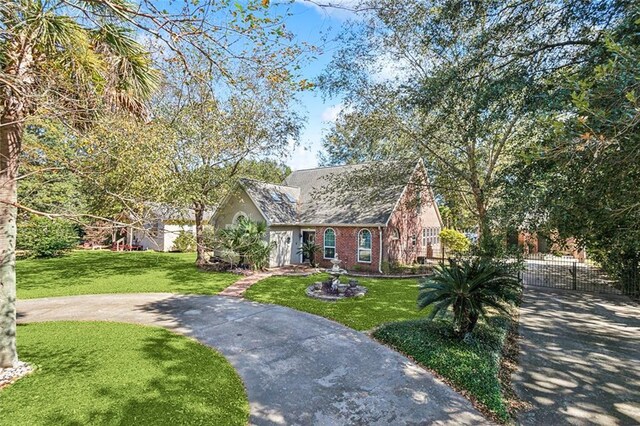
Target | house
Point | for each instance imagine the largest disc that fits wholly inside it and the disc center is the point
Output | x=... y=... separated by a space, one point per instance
x=161 y=225
x=348 y=211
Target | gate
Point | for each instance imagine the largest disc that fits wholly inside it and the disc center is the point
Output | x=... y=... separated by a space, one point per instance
x=567 y=273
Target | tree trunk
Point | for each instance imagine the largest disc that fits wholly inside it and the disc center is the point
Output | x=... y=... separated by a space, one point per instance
x=10 y=140
x=201 y=257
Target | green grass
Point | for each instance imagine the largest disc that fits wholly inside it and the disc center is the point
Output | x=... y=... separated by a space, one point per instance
x=120 y=374
x=472 y=367
x=98 y=272
x=387 y=300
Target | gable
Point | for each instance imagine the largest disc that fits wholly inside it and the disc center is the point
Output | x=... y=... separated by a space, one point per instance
x=238 y=201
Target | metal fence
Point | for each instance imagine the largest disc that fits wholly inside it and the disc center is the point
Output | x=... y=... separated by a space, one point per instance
x=569 y=274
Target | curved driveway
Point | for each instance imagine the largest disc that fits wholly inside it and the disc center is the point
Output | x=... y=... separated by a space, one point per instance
x=298 y=368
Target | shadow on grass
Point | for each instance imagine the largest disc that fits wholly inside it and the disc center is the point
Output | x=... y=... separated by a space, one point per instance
x=111 y=373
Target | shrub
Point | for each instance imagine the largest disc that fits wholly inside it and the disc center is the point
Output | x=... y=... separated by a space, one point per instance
x=43 y=237
x=247 y=239
x=309 y=250
x=185 y=242
x=454 y=241
x=468 y=288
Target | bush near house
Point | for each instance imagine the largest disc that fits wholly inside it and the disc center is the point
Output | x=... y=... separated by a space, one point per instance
x=184 y=243
x=455 y=242
x=43 y=237
x=246 y=239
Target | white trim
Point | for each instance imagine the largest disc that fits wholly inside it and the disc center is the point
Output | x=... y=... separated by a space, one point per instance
x=380 y=251
x=324 y=243
x=370 y=246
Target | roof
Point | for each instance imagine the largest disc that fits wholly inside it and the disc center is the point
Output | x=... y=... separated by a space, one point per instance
x=167 y=212
x=340 y=195
x=277 y=203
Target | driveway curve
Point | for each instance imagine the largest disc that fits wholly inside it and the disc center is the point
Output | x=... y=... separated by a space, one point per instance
x=298 y=368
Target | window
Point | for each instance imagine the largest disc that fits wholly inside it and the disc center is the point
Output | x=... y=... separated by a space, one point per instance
x=329 y=244
x=237 y=217
x=395 y=234
x=430 y=235
x=364 y=246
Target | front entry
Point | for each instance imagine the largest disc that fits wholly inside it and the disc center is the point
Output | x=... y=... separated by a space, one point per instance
x=307 y=236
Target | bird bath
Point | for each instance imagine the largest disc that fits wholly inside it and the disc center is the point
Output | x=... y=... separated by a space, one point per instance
x=332 y=289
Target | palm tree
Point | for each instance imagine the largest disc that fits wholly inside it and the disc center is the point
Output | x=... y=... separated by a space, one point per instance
x=247 y=238
x=468 y=287
x=64 y=60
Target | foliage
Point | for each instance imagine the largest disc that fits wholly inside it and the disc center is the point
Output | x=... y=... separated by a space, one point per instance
x=184 y=242
x=44 y=237
x=386 y=300
x=572 y=183
x=468 y=288
x=472 y=368
x=309 y=249
x=247 y=239
x=107 y=272
x=454 y=241
x=100 y=373
x=456 y=84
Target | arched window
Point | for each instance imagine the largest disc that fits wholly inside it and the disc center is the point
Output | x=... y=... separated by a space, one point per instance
x=329 y=243
x=237 y=216
x=364 y=246
x=395 y=234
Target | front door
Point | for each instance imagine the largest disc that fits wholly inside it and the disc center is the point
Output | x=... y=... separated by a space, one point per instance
x=307 y=236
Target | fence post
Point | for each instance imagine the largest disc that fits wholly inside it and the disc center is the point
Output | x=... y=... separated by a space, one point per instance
x=574 y=274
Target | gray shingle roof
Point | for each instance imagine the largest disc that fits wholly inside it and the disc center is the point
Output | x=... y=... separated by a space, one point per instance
x=277 y=202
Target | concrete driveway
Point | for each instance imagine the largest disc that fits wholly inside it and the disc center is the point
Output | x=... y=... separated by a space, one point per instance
x=579 y=359
x=298 y=368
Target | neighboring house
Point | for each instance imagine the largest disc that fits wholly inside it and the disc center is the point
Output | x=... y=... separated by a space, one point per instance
x=162 y=224
x=362 y=224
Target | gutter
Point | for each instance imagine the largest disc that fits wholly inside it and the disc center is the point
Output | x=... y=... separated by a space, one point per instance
x=380 y=251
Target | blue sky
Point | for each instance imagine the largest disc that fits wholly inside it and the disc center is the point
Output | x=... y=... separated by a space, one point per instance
x=318 y=26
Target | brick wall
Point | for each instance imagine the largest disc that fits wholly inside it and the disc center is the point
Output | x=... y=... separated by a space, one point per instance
x=407 y=222
x=347 y=248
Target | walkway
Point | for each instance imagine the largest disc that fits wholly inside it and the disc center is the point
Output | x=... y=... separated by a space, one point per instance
x=298 y=368
x=238 y=288
x=579 y=359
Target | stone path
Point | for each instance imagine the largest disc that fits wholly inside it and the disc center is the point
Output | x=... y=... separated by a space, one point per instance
x=298 y=368
x=579 y=359
x=238 y=288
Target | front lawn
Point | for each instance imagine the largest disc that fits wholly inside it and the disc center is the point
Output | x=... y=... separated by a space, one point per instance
x=99 y=272
x=387 y=300
x=120 y=374
x=471 y=367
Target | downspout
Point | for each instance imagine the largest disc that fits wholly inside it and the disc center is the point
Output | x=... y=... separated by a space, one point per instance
x=380 y=251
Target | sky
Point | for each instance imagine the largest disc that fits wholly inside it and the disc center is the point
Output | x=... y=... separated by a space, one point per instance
x=318 y=26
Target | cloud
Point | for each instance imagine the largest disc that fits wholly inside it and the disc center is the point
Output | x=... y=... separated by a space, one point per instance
x=331 y=113
x=338 y=9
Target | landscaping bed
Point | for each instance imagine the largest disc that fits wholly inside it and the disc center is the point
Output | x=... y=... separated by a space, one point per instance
x=472 y=368
x=100 y=272
x=112 y=373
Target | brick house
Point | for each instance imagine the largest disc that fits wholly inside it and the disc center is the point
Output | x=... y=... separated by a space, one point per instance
x=350 y=212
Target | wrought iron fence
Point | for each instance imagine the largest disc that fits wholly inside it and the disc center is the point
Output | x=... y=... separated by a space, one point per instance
x=543 y=270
